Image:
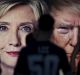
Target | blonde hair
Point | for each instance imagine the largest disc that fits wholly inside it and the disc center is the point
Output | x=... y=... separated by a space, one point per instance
x=60 y=5
x=38 y=7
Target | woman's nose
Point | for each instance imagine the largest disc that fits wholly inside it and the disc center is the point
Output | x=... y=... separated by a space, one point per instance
x=74 y=38
x=15 y=40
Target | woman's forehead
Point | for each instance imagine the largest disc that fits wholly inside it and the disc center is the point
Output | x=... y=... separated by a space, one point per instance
x=19 y=15
x=16 y=7
x=24 y=9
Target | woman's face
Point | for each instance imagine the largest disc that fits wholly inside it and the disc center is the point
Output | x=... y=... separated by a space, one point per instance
x=15 y=25
x=65 y=30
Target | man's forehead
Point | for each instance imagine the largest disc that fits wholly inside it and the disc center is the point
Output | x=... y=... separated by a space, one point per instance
x=73 y=21
x=68 y=21
x=67 y=17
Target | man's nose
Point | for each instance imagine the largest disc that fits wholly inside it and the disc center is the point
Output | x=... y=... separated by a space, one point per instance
x=74 y=38
x=15 y=40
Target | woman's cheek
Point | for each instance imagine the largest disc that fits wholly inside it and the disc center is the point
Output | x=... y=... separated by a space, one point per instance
x=23 y=39
x=3 y=40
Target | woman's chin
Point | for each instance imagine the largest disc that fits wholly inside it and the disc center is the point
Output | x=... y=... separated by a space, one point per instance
x=9 y=61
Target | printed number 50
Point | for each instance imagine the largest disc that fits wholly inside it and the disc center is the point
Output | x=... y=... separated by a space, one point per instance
x=39 y=65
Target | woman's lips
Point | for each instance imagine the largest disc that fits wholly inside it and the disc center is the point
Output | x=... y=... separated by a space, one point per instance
x=69 y=54
x=13 y=53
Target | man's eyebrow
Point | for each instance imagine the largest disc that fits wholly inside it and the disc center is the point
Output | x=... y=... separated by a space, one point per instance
x=65 y=25
x=4 y=23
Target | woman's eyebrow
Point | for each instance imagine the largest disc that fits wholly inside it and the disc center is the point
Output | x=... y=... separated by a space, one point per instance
x=26 y=23
x=4 y=23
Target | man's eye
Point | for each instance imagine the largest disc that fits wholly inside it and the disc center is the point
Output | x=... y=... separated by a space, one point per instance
x=63 y=30
x=26 y=29
x=3 y=28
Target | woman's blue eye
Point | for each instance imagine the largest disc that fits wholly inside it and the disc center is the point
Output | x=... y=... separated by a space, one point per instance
x=26 y=29
x=3 y=28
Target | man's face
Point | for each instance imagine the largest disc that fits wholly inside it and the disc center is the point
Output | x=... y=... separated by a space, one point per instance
x=65 y=30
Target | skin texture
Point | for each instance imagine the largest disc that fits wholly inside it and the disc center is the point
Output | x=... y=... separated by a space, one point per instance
x=65 y=30
x=15 y=25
